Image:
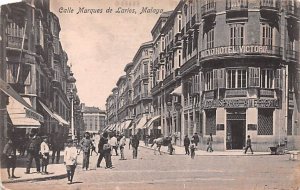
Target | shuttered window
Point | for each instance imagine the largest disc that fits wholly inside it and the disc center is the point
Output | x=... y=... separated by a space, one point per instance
x=253 y=77
x=210 y=126
x=265 y=122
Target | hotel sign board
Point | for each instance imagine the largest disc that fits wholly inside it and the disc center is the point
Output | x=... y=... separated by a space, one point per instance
x=241 y=103
x=246 y=49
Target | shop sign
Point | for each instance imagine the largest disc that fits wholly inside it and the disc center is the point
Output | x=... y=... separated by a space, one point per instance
x=34 y=115
x=241 y=103
x=236 y=50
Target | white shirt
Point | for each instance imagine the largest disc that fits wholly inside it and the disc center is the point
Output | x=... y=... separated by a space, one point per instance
x=44 y=148
x=70 y=155
x=113 y=141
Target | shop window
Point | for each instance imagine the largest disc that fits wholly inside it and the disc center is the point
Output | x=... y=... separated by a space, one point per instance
x=236 y=78
x=210 y=126
x=265 y=122
x=267 y=77
x=236 y=34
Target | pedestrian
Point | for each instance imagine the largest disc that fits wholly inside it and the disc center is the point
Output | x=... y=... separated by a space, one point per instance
x=193 y=148
x=102 y=141
x=122 y=146
x=135 y=145
x=9 y=153
x=130 y=141
x=86 y=144
x=107 y=154
x=114 y=143
x=248 y=145
x=45 y=155
x=186 y=143
x=56 y=146
x=196 y=138
x=33 y=152
x=93 y=147
x=70 y=160
x=209 y=143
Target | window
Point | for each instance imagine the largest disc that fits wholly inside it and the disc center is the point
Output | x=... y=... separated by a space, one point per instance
x=236 y=78
x=265 y=122
x=209 y=81
x=210 y=39
x=210 y=122
x=237 y=34
x=267 y=76
x=253 y=77
x=267 y=35
x=179 y=23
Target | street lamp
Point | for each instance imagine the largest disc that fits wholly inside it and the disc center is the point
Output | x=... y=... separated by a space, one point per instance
x=169 y=108
x=72 y=81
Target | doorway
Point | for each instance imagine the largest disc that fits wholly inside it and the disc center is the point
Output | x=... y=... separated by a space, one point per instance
x=235 y=130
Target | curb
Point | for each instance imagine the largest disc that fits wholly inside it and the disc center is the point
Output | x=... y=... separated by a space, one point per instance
x=164 y=152
x=60 y=176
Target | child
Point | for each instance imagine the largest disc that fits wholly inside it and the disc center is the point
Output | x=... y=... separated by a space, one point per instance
x=45 y=155
x=193 y=148
x=93 y=147
x=70 y=160
x=10 y=155
x=107 y=154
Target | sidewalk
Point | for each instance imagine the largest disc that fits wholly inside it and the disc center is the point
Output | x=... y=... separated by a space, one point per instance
x=56 y=171
x=181 y=151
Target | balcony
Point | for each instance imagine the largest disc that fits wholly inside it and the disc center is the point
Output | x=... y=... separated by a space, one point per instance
x=16 y=42
x=177 y=40
x=270 y=5
x=209 y=94
x=269 y=93
x=232 y=93
x=236 y=5
x=209 y=10
x=162 y=56
x=145 y=96
x=293 y=11
x=245 y=50
x=292 y=55
x=156 y=88
x=145 y=76
x=169 y=79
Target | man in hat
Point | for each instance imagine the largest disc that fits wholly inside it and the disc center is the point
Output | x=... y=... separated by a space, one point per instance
x=86 y=144
x=33 y=151
x=10 y=157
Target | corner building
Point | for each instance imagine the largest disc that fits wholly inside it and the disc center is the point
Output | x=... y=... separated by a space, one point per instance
x=247 y=76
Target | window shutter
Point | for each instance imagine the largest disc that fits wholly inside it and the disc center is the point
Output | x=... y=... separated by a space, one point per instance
x=215 y=78
x=221 y=78
x=279 y=79
x=202 y=85
x=254 y=75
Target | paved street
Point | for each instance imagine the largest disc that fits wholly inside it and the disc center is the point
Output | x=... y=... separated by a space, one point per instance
x=181 y=172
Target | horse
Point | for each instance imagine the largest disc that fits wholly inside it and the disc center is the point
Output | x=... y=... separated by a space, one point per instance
x=163 y=141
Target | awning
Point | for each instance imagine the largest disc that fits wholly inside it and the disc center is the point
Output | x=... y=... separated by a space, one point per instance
x=141 y=123
x=60 y=119
x=177 y=91
x=150 y=123
x=106 y=128
x=49 y=112
x=118 y=126
x=21 y=116
x=126 y=124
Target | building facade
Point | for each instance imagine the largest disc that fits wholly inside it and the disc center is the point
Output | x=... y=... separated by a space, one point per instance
x=35 y=71
x=94 y=119
x=226 y=68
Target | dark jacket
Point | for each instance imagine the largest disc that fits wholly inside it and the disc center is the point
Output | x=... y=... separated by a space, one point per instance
x=100 y=144
x=196 y=138
x=34 y=144
x=86 y=144
x=135 y=142
x=186 y=141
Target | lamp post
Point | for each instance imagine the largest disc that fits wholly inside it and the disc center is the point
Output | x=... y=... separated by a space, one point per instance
x=72 y=81
x=169 y=108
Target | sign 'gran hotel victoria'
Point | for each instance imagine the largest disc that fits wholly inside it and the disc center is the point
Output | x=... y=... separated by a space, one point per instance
x=244 y=49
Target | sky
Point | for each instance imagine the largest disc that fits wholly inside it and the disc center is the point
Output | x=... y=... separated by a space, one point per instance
x=100 y=45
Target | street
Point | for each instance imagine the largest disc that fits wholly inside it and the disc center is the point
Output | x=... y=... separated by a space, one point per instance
x=151 y=171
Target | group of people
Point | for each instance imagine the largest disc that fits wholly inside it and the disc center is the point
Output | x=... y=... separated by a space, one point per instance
x=108 y=143
x=37 y=148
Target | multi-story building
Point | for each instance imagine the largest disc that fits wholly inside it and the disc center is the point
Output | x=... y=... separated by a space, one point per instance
x=94 y=119
x=36 y=70
x=226 y=68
